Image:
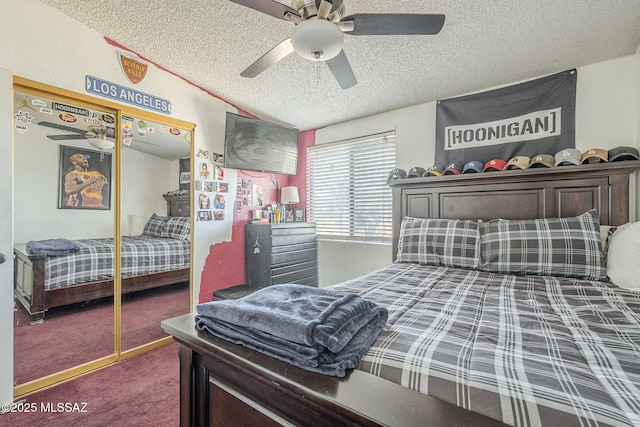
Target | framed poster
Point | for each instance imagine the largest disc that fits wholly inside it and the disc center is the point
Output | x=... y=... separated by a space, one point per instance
x=84 y=177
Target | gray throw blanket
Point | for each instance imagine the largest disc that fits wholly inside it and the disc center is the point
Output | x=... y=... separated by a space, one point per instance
x=315 y=329
x=52 y=247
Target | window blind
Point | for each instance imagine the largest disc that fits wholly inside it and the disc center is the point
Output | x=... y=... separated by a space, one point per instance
x=348 y=195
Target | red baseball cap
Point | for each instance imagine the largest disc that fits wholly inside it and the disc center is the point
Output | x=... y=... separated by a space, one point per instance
x=494 y=165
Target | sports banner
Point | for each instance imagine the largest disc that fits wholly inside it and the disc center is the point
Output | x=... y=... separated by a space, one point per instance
x=527 y=119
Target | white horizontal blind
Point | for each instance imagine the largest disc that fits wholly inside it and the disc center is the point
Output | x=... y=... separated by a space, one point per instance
x=348 y=195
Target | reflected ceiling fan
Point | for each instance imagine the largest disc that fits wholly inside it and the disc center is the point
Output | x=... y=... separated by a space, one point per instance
x=98 y=136
x=319 y=31
x=101 y=137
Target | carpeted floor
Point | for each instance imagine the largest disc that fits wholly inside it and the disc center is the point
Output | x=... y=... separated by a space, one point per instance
x=78 y=333
x=141 y=391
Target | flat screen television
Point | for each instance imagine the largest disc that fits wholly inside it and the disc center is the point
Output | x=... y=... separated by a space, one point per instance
x=261 y=146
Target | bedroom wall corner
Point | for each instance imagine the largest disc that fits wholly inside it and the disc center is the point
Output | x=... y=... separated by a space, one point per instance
x=6 y=237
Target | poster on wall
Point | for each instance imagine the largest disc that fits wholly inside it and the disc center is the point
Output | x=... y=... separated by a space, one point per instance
x=527 y=119
x=84 y=179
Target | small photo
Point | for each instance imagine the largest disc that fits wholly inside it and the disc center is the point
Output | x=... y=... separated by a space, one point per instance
x=288 y=216
x=205 y=171
x=207 y=186
x=217 y=158
x=204 y=216
x=203 y=201
x=219 y=201
x=298 y=215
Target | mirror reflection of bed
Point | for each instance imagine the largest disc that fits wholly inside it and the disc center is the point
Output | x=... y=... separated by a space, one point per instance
x=64 y=328
x=148 y=173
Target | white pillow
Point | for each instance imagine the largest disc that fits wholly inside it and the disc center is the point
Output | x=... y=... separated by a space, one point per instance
x=623 y=255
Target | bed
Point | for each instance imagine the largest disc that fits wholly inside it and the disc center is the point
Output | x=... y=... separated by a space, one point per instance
x=466 y=344
x=159 y=257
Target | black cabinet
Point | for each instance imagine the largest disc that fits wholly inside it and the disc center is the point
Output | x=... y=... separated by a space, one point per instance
x=179 y=205
x=276 y=254
x=281 y=253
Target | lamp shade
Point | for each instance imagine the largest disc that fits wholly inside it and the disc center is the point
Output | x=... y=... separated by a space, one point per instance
x=289 y=195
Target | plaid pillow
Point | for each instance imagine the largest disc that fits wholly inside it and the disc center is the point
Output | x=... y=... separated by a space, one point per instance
x=178 y=227
x=448 y=242
x=568 y=247
x=155 y=226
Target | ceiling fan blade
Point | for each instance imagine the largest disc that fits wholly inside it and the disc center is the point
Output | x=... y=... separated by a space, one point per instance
x=341 y=69
x=66 y=137
x=62 y=127
x=324 y=9
x=386 y=24
x=281 y=50
x=270 y=7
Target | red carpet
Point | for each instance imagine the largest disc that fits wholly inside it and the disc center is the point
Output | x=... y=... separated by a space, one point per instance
x=138 y=392
x=79 y=333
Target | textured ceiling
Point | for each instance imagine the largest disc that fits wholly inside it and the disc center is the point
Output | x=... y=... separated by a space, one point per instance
x=484 y=43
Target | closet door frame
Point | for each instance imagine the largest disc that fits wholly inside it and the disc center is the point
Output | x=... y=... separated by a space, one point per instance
x=26 y=85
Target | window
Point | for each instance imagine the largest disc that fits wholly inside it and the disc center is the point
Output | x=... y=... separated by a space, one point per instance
x=348 y=195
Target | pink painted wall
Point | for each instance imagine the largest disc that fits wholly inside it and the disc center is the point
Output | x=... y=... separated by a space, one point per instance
x=224 y=266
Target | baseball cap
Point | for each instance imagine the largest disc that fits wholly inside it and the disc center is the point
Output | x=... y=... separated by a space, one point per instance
x=595 y=155
x=435 y=170
x=494 y=165
x=568 y=156
x=472 y=167
x=619 y=154
x=542 y=161
x=396 y=173
x=518 y=162
x=453 y=169
x=416 y=172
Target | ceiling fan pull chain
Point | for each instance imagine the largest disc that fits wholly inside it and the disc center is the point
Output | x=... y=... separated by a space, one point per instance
x=317 y=55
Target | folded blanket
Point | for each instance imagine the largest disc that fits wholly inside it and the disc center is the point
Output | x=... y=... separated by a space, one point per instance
x=313 y=328
x=52 y=247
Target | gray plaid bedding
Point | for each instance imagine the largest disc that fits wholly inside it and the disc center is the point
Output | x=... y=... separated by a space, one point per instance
x=526 y=350
x=94 y=261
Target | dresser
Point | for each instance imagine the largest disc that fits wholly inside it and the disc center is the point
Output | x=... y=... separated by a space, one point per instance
x=275 y=254
x=178 y=205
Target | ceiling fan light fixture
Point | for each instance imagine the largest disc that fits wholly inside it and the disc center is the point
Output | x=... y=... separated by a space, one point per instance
x=317 y=39
x=100 y=143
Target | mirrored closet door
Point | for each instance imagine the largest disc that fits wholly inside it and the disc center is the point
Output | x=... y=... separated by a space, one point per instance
x=102 y=230
x=156 y=222
x=64 y=217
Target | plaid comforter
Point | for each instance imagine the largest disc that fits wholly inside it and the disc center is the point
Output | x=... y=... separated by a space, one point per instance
x=94 y=261
x=526 y=350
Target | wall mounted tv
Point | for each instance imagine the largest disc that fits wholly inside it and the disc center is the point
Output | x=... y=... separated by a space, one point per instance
x=261 y=146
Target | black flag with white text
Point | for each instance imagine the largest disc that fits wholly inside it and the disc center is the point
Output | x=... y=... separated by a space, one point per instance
x=527 y=119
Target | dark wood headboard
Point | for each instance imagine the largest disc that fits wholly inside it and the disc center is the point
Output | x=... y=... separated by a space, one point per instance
x=517 y=194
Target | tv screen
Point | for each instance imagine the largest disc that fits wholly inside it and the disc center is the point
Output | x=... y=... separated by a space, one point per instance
x=258 y=145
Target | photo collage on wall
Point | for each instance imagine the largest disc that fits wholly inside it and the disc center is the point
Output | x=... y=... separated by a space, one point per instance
x=247 y=194
x=211 y=187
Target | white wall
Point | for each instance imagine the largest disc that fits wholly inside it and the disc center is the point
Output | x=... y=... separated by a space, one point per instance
x=607 y=106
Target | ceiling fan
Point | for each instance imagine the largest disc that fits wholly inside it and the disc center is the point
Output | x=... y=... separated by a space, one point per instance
x=98 y=136
x=319 y=31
